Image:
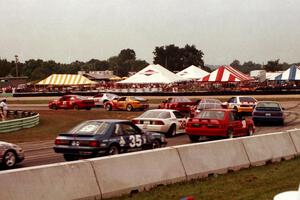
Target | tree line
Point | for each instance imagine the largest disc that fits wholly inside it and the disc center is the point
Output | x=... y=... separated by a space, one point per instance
x=171 y=57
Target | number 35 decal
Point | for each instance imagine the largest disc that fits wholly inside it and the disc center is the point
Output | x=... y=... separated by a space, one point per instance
x=135 y=141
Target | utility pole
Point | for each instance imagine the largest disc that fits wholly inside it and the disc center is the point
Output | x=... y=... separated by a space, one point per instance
x=16 y=56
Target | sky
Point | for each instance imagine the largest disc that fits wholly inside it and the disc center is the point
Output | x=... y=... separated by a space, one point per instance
x=225 y=30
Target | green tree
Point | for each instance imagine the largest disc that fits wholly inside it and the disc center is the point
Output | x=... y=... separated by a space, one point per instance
x=272 y=66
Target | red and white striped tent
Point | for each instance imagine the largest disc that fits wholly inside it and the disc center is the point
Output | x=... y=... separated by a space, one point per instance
x=225 y=74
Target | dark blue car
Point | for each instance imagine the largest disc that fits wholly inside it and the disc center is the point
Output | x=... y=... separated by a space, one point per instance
x=105 y=137
x=268 y=112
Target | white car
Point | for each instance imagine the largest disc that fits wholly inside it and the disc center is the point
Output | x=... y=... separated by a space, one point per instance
x=101 y=98
x=10 y=154
x=242 y=104
x=167 y=121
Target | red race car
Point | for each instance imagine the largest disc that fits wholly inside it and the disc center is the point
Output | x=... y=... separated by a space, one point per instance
x=218 y=122
x=182 y=104
x=72 y=102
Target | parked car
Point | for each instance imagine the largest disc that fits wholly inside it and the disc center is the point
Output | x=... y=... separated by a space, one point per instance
x=205 y=104
x=72 y=102
x=218 y=122
x=127 y=103
x=268 y=111
x=101 y=98
x=169 y=122
x=105 y=137
x=182 y=104
x=241 y=104
x=10 y=155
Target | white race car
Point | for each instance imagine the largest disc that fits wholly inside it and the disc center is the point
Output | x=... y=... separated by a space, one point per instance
x=169 y=122
x=101 y=98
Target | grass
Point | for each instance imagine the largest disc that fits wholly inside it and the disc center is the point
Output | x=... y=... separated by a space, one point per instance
x=259 y=183
x=53 y=122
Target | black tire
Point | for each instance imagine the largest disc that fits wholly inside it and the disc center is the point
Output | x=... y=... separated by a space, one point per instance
x=194 y=138
x=250 y=131
x=230 y=133
x=113 y=150
x=76 y=107
x=129 y=108
x=281 y=123
x=108 y=107
x=172 y=131
x=69 y=157
x=156 y=144
x=9 y=159
x=54 y=107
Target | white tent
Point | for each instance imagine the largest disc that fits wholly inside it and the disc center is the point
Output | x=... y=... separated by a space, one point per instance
x=271 y=75
x=153 y=74
x=192 y=72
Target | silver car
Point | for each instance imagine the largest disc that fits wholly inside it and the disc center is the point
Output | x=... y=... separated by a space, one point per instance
x=10 y=155
x=167 y=121
x=101 y=98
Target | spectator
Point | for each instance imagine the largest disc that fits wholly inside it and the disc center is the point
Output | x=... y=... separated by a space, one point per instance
x=3 y=109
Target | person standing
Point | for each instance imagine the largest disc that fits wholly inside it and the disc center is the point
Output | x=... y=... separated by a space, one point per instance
x=3 y=108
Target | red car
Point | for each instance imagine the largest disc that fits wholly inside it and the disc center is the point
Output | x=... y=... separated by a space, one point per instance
x=218 y=122
x=182 y=104
x=72 y=102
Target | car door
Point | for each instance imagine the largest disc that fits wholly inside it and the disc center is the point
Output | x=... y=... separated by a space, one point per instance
x=62 y=102
x=132 y=137
x=121 y=103
x=180 y=121
x=235 y=123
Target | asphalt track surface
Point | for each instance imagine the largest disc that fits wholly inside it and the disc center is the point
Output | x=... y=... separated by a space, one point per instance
x=41 y=153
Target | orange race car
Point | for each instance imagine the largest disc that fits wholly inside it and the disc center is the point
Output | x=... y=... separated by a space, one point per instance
x=127 y=103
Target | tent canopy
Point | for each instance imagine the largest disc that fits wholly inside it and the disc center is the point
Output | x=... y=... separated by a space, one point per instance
x=66 y=80
x=225 y=74
x=291 y=74
x=153 y=74
x=192 y=72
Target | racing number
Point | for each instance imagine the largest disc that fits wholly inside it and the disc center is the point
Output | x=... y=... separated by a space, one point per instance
x=135 y=141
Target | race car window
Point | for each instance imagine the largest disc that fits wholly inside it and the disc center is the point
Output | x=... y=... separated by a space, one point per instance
x=118 y=130
x=90 y=128
x=129 y=129
x=122 y=99
x=231 y=116
x=178 y=115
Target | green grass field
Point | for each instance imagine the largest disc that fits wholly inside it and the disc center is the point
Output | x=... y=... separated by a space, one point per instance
x=257 y=183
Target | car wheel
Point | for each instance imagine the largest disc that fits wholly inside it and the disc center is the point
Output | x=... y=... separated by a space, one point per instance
x=113 y=150
x=89 y=108
x=172 y=131
x=230 y=133
x=194 y=138
x=108 y=107
x=250 y=130
x=129 y=108
x=281 y=123
x=76 y=107
x=9 y=159
x=68 y=157
x=156 y=144
x=54 y=107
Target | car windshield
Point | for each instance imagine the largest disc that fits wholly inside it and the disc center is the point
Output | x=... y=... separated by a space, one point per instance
x=90 y=128
x=211 y=114
x=156 y=114
x=81 y=97
x=268 y=106
x=138 y=99
x=181 y=99
x=247 y=99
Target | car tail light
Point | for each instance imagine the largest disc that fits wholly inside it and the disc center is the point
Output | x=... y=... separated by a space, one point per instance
x=158 y=123
x=60 y=142
x=93 y=143
x=136 y=121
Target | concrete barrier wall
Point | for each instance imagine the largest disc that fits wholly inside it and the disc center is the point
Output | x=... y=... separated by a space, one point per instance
x=295 y=135
x=116 y=175
x=202 y=159
x=122 y=174
x=74 y=180
x=269 y=147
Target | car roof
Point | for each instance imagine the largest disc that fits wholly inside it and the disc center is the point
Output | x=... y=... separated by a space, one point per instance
x=220 y=109
x=267 y=102
x=110 y=120
x=162 y=110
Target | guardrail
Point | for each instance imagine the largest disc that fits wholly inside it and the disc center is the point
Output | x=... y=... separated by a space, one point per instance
x=25 y=119
x=111 y=176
